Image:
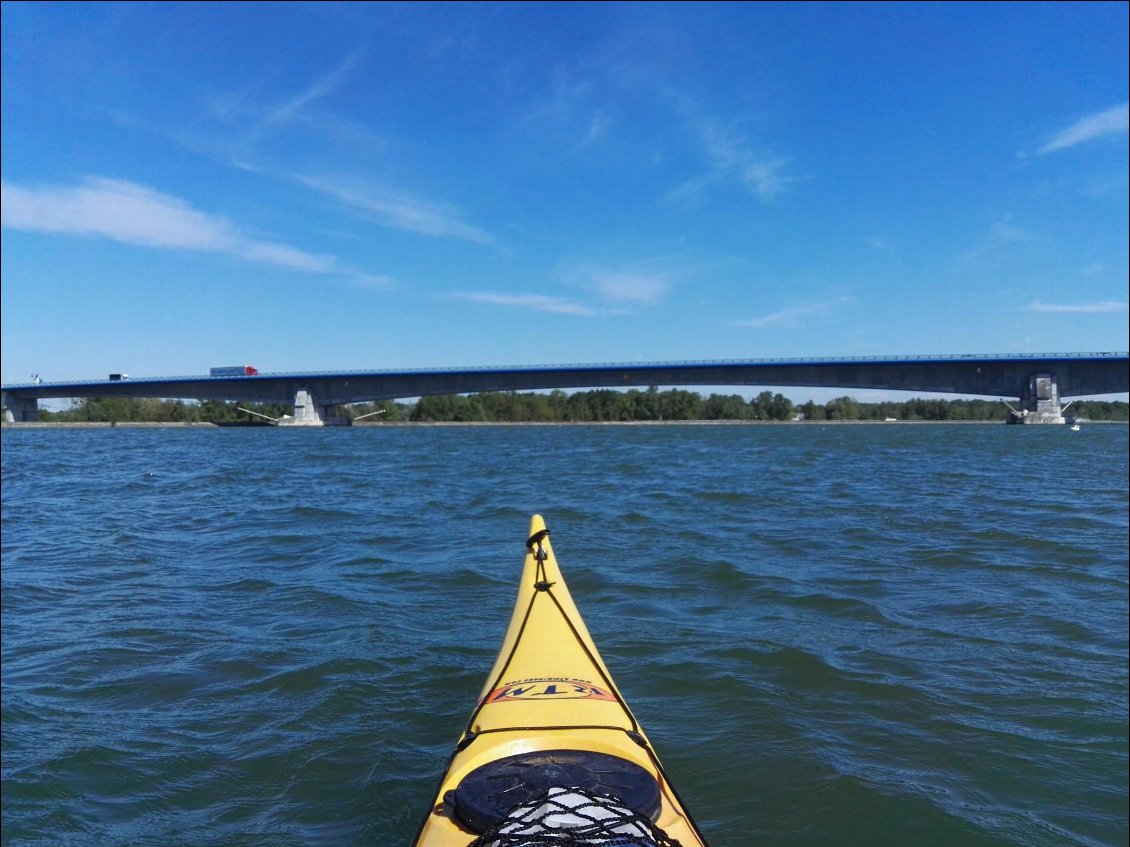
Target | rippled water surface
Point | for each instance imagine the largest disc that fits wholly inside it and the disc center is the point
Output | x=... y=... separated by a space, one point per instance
x=835 y=635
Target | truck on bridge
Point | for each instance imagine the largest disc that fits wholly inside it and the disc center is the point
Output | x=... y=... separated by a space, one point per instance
x=235 y=370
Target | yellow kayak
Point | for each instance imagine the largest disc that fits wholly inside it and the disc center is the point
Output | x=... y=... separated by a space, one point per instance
x=552 y=754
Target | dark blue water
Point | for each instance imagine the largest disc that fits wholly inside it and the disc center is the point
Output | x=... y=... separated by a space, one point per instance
x=848 y=635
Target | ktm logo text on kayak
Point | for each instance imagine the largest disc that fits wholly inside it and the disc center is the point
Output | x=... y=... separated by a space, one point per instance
x=532 y=690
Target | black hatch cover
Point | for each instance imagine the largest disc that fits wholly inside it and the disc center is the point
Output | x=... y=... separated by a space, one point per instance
x=487 y=794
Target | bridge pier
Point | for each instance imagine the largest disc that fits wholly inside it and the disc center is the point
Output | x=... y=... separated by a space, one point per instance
x=20 y=409
x=307 y=412
x=1039 y=404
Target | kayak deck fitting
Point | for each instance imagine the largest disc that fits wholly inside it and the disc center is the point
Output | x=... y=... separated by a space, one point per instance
x=551 y=753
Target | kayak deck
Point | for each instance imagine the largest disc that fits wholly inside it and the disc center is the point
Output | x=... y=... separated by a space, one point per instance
x=548 y=715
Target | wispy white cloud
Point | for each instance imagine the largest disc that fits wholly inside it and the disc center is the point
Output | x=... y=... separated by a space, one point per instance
x=1003 y=232
x=1002 y=239
x=760 y=174
x=533 y=302
x=400 y=210
x=597 y=129
x=796 y=315
x=1114 y=121
x=572 y=111
x=606 y=288
x=246 y=143
x=318 y=89
x=259 y=121
x=580 y=98
x=732 y=159
x=1106 y=306
x=648 y=62
x=568 y=96
x=638 y=284
x=134 y=214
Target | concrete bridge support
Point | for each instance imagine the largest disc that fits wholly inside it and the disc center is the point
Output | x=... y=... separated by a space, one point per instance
x=20 y=409
x=1039 y=404
x=307 y=412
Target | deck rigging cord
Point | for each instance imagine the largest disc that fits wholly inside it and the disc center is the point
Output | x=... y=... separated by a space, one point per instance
x=543 y=586
x=574 y=817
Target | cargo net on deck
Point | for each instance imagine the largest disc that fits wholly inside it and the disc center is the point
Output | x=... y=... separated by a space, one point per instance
x=573 y=817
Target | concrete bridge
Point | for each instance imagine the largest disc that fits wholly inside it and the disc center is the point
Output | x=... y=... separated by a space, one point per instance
x=1036 y=382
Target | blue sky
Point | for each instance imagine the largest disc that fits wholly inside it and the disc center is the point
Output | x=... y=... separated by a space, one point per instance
x=316 y=186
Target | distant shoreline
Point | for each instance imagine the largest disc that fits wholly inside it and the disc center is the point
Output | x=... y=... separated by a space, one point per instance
x=391 y=424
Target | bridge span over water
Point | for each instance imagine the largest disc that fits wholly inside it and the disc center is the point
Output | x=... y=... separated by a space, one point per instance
x=1036 y=382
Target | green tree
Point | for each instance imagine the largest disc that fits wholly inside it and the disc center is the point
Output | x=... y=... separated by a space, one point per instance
x=812 y=411
x=779 y=408
x=842 y=409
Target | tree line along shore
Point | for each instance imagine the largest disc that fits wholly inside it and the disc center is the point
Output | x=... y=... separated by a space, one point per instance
x=596 y=406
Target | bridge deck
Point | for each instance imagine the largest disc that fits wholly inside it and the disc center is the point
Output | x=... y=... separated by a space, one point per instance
x=1075 y=374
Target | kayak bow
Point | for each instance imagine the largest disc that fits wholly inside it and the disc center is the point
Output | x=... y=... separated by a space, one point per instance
x=550 y=723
